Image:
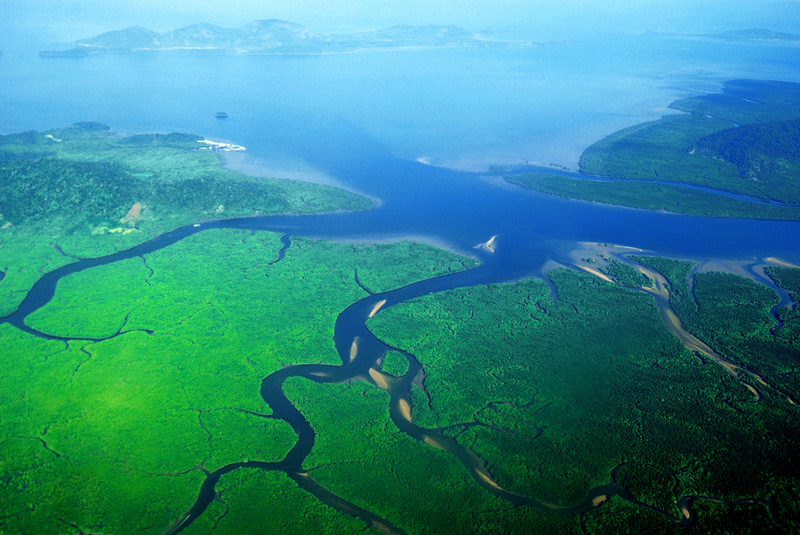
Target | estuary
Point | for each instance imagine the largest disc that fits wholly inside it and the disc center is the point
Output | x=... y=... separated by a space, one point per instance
x=421 y=147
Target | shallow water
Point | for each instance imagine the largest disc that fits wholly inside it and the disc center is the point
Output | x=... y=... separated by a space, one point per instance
x=363 y=119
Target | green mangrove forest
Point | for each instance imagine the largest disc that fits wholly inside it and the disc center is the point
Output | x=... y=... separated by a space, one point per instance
x=199 y=386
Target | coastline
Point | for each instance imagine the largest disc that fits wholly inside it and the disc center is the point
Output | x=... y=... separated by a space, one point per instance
x=287 y=170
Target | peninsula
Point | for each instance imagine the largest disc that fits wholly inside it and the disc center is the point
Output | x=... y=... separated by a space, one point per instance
x=730 y=154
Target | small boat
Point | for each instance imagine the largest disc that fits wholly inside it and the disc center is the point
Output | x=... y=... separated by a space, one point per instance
x=221 y=115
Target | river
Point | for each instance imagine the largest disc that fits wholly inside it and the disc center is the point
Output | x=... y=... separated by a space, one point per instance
x=363 y=121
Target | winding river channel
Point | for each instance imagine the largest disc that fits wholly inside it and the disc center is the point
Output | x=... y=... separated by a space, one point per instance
x=456 y=209
x=510 y=224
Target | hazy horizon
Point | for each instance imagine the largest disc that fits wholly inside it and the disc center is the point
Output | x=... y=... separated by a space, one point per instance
x=47 y=21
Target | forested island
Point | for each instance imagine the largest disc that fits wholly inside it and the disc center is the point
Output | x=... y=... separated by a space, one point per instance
x=183 y=377
x=271 y=37
x=743 y=141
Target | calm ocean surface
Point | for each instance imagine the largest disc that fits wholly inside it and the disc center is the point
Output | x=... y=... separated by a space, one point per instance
x=363 y=120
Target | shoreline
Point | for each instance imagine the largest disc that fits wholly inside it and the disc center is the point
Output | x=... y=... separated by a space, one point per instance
x=253 y=167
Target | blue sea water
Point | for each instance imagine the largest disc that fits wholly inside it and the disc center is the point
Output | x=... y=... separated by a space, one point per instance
x=364 y=119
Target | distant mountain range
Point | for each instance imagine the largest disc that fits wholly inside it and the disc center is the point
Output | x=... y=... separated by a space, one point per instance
x=270 y=37
x=756 y=34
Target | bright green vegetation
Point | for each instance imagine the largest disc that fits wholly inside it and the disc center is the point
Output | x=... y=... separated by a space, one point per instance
x=254 y=501
x=78 y=444
x=395 y=363
x=91 y=192
x=234 y=265
x=114 y=436
x=558 y=397
x=405 y=257
x=591 y=389
x=626 y=275
x=651 y=196
x=743 y=141
x=363 y=458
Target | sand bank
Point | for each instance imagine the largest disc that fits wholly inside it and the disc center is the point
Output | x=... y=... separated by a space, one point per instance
x=375 y=309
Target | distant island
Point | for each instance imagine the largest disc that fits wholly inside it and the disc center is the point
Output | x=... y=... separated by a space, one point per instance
x=755 y=34
x=271 y=37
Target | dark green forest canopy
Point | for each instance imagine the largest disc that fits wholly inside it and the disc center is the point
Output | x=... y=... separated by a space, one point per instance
x=743 y=140
x=559 y=396
x=87 y=173
x=666 y=149
x=788 y=278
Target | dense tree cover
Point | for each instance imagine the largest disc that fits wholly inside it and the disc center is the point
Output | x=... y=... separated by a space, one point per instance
x=557 y=396
x=87 y=172
x=84 y=191
x=36 y=188
x=620 y=517
x=406 y=256
x=742 y=144
x=395 y=363
x=658 y=150
x=594 y=389
x=365 y=460
x=731 y=313
x=701 y=149
x=626 y=275
x=651 y=196
x=733 y=316
x=175 y=139
x=115 y=436
x=677 y=273
x=747 y=101
x=786 y=277
x=255 y=501
x=768 y=153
